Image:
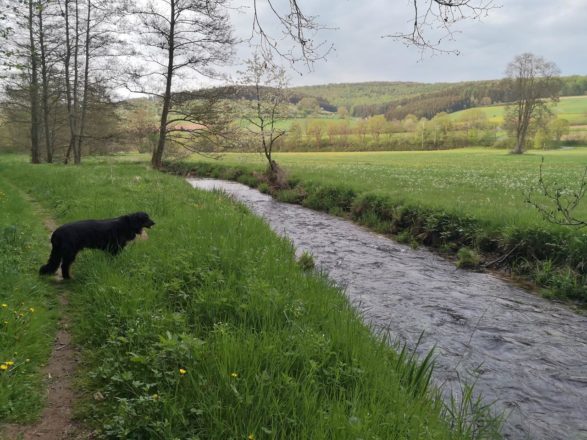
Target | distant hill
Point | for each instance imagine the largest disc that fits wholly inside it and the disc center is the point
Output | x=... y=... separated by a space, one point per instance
x=398 y=99
x=350 y=95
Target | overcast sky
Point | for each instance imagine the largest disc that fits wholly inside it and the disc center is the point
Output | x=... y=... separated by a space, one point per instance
x=553 y=29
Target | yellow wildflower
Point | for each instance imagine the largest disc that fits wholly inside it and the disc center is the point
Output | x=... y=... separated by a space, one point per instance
x=32 y=310
x=234 y=375
x=3 y=367
x=4 y=305
x=251 y=437
x=182 y=371
x=9 y=363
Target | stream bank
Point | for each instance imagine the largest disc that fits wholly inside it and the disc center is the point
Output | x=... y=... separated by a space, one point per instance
x=525 y=353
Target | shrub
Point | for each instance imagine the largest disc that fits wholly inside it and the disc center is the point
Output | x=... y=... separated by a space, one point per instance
x=467 y=258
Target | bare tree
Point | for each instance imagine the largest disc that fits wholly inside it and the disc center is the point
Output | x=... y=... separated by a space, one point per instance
x=433 y=22
x=34 y=85
x=178 y=37
x=45 y=106
x=557 y=203
x=532 y=82
x=268 y=106
x=296 y=26
x=21 y=61
x=202 y=121
x=90 y=26
x=439 y=17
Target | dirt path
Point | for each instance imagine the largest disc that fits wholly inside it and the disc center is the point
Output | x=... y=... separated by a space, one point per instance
x=56 y=421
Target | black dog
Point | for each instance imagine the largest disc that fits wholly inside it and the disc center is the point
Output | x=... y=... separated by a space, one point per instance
x=109 y=235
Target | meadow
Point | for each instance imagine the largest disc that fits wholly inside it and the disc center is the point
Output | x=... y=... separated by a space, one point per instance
x=211 y=329
x=571 y=108
x=471 y=198
x=471 y=181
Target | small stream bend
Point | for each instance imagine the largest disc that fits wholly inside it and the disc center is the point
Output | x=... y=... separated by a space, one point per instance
x=529 y=354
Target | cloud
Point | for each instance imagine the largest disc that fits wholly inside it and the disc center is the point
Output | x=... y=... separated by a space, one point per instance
x=555 y=30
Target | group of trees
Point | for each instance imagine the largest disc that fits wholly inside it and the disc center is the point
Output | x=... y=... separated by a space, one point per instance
x=59 y=62
x=53 y=82
x=60 y=68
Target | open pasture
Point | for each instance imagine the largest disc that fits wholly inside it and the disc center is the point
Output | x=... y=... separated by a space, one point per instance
x=486 y=184
x=571 y=108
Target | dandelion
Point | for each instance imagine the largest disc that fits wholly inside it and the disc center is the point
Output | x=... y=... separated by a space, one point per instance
x=3 y=367
x=32 y=310
x=234 y=375
x=4 y=306
x=155 y=397
x=251 y=437
x=9 y=363
x=182 y=371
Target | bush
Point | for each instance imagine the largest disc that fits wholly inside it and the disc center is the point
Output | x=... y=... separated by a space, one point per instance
x=467 y=258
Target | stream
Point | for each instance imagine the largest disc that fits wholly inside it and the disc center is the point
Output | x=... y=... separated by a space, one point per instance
x=526 y=354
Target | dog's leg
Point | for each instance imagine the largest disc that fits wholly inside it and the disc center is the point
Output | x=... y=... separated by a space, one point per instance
x=68 y=258
x=53 y=264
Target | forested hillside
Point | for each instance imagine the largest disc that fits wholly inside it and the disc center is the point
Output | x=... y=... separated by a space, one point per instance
x=398 y=99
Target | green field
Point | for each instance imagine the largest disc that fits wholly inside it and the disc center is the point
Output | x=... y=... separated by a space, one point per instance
x=208 y=330
x=486 y=184
x=572 y=108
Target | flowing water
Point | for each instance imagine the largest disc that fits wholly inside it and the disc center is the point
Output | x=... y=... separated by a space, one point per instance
x=528 y=355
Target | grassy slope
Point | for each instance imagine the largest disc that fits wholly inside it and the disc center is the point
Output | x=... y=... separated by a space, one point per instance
x=27 y=321
x=572 y=108
x=210 y=330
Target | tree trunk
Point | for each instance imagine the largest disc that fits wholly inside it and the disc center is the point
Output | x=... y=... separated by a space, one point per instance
x=34 y=91
x=84 y=108
x=76 y=154
x=156 y=160
x=67 y=62
x=45 y=89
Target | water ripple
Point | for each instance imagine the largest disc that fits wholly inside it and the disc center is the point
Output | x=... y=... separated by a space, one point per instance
x=529 y=355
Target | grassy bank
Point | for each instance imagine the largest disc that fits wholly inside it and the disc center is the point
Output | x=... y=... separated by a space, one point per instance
x=211 y=330
x=27 y=320
x=451 y=200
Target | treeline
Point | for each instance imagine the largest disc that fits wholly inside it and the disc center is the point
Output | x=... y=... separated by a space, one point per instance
x=377 y=133
x=457 y=97
x=350 y=95
x=294 y=97
x=443 y=131
x=57 y=63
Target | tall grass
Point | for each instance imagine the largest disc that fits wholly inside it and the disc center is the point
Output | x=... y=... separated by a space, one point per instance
x=211 y=330
x=27 y=316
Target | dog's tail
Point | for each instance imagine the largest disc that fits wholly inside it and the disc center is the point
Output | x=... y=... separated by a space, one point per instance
x=53 y=263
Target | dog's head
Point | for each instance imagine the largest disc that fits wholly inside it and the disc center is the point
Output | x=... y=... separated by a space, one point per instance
x=138 y=221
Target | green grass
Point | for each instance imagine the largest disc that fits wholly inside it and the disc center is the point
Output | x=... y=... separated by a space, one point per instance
x=211 y=330
x=482 y=183
x=571 y=108
x=27 y=317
